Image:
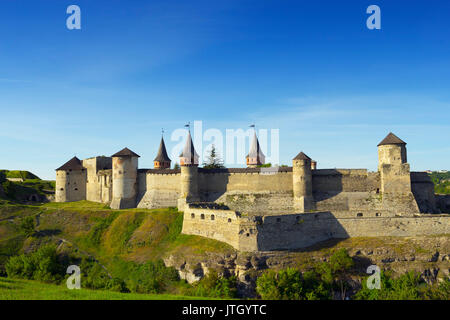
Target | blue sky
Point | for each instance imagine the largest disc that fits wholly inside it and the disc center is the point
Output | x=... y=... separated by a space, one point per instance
x=311 y=69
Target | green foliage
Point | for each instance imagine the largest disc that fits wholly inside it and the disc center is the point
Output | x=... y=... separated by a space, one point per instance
x=212 y=285
x=439 y=292
x=441 y=182
x=94 y=276
x=405 y=287
x=213 y=161
x=28 y=226
x=149 y=277
x=266 y=165
x=41 y=265
x=19 y=174
x=290 y=284
x=94 y=237
x=13 y=289
x=176 y=166
x=2 y=176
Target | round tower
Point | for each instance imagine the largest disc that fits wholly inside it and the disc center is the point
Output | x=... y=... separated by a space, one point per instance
x=70 y=181
x=189 y=174
x=302 y=183
x=391 y=150
x=124 y=179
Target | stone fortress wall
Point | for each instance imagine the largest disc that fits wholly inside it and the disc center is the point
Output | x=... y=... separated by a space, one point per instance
x=269 y=208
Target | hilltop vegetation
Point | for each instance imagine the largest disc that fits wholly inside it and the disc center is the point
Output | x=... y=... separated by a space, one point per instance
x=19 y=174
x=441 y=182
x=30 y=187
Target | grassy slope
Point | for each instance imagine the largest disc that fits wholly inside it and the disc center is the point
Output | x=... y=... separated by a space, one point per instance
x=12 y=289
x=19 y=174
x=135 y=235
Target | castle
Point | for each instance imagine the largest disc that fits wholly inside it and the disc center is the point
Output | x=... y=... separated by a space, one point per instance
x=259 y=209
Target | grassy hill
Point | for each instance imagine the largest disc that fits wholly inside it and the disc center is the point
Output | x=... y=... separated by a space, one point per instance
x=30 y=188
x=19 y=174
x=120 y=241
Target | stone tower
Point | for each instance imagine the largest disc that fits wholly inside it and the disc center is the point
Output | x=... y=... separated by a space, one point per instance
x=255 y=157
x=395 y=177
x=189 y=174
x=392 y=165
x=302 y=183
x=70 y=181
x=124 y=179
x=162 y=160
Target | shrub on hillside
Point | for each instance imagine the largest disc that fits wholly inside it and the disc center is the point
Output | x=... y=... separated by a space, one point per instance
x=213 y=285
x=290 y=284
x=408 y=286
x=27 y=226
x=41 y=265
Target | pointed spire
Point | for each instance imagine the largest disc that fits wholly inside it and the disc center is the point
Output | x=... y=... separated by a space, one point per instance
x=189 y=156
x=391 y=139
x=162 y=152
x=255 y=156
x=72 y=164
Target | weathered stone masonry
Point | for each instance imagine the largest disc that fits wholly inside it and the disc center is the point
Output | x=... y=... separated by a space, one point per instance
x=267 y=208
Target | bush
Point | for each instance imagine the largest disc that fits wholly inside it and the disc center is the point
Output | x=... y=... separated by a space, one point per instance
x=41 y=265
x=27 y=226
x=212 y=285
x=405 y=287
x=290 y=284
x=94 y=276
x=150 y=277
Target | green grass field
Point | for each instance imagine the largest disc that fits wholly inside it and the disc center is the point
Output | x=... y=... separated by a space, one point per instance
x=12 y=289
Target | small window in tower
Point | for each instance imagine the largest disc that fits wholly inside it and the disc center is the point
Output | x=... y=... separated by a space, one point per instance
x=76 y=189
x=378 y=190
x=192 y=215
x=359 y=214
x=229 y=220
x=377 y=214
x=62 y=189
x=202 y=216
x=248 y=234
x=212 y=217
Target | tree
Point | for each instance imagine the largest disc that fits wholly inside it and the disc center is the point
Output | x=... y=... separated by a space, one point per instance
x=336 y=269
x=176 y=166
x=27 y=226
x=213 y=161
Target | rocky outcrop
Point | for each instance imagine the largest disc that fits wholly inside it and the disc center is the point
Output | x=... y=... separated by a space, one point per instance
x=429 y=256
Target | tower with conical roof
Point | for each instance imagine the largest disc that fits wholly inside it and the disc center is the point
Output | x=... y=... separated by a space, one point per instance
x=124 y=179
x=255 y=157
x=395 y=175
x=391 y=150
x=302 y=183
x=162 y=160
x=189 y=173
x=70 y=181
